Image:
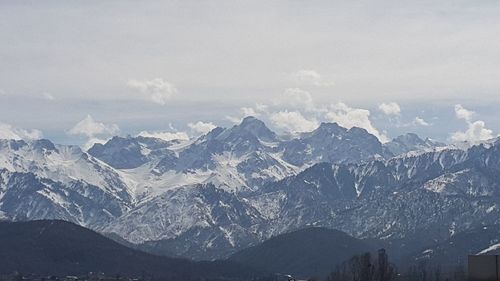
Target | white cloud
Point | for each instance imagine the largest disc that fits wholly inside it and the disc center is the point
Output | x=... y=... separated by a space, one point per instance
x=233 y=119
x=349 y=117
x=248 y=111
x=9 y=132
x=90 y=128
x=463 y=113
x=293 y=122
x=168 y=136
x=260 y=107
x=91 y=141
x=420 y=121
x=202 y=127
x=297 y=112
x=297 y=99
x=157 y=89
x=476 y=131
x=311 y=77
x=3 y=92
x=390 y=108
x=47 y=96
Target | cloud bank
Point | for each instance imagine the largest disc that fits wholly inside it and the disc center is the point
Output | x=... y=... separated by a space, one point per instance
x=295 y=111
x=292 y=122
x=89 y=127
x=93 y=131
x=158 y=89
x=476 y=130
x=421 y=122
x=7 y=131
x=390 y=108
x=462 y=113
x=201 y=127
x=310 y=77
x=349 y=117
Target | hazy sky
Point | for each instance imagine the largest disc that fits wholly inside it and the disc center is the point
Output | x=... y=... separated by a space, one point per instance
x=122 y=67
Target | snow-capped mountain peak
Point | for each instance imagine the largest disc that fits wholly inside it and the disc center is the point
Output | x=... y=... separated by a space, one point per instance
x=236 y=186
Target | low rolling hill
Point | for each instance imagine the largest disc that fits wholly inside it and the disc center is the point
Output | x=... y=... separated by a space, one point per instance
x=304 y=253
x=53 y=247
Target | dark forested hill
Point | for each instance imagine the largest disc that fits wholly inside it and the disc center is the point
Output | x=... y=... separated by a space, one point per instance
x=307 y=252
x=52 y=247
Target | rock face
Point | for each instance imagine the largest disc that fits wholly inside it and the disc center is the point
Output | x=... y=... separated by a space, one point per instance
x=334 y=144
x=41 y=180
x=129 y=153
x=410 y=142
x=234 y=187
x=24 y=196
x=438 y=192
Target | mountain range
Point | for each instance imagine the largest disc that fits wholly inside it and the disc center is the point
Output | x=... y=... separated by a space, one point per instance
x=235 y=187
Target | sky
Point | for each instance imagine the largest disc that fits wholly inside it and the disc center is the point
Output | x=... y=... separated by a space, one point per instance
x=82 y=71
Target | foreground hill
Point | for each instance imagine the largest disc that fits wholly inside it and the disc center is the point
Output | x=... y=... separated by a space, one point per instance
x=62 y=248
x=307 y=252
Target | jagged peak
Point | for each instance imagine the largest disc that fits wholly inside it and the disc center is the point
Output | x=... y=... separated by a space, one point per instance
x=328 y=126
x=44 y=144
x=129 y=139
x=13 y=143
x=38 y=144
x=358 y=130
x=255 y=127
x=115 y=140
x=408 y=136
x=211 y=134
x=414 y=139
x=250 y=120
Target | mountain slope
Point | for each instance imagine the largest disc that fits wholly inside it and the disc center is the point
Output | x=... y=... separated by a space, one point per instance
x=26 y=196
x=65 y=164
x=484 y=240
x=440 y=192
x=304 y=253
x=199 y=222
x=62 y=248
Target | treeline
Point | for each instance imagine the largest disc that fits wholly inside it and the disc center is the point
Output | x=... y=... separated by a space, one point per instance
x=366 y=268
